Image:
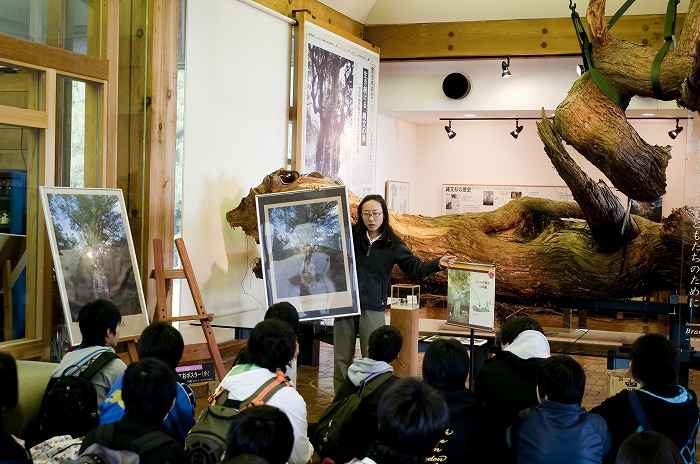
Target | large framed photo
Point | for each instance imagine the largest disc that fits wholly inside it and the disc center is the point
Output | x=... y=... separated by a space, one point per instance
x=93 y=255
x=307 y=253
x=336 y=101
x=471 y=295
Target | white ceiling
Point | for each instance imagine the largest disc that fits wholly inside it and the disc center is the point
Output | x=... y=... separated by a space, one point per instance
x=430 y=11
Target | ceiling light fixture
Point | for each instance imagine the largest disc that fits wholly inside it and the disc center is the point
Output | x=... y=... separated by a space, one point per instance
x=505 y=66
x=674 y=133
x=450 y=133
x=580 y=69
x=517 y=131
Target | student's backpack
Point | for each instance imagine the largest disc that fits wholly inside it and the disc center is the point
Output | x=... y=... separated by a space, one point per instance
x=688 y=450
x=69 y=405
x=331 y=435
x=100 y=452
x=206 y=442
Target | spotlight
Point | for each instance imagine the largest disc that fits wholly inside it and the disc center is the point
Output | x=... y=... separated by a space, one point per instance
x=517 y=131
x=505 y=66
x=580 y=69
x=674 y=133
x=450 y=133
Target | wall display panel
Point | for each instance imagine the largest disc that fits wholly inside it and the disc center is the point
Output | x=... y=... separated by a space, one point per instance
x=465 y=198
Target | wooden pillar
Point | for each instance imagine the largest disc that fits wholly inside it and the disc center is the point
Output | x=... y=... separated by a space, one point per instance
x=407 y=321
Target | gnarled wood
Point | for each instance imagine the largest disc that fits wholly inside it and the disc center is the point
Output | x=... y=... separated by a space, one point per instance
x=543 y=249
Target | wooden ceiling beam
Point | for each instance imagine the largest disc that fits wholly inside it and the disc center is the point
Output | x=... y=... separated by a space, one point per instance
x=498 y=39
x=320 y=12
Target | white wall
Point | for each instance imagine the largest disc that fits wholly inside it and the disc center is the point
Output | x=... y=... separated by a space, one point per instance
x=236 y=113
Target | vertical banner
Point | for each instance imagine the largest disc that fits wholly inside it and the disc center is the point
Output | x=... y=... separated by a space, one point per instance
x=471 y=295
x=336 y=106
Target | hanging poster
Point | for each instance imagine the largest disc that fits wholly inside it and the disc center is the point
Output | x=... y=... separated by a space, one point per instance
x=336 y=83
x=307 y=253
x=471 y=295
x=397 y=196
x=465 y=198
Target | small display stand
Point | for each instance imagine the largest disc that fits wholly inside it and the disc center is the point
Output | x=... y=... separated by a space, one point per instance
x=405 y=299
x=405 y=296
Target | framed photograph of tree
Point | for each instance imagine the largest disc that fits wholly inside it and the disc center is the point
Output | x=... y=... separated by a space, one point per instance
x=336 y=102
x=471 y=295
x=307 y=253
x=93 y=255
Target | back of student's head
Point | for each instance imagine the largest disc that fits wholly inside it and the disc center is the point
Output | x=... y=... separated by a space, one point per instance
x=654 y=360
x=648 y=448
x=263 y=431
x=412 y=418
x=561 y=379
x=163 y=341
x=514 y=326
x=284 y=311
x=245 y=459
x=8 y=384
x=272 y=344
x=384 y=343
x=95 y=318
x=148 y=389
x=446 y=365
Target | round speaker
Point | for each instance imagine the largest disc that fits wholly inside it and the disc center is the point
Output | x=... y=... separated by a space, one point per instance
x=456 y=86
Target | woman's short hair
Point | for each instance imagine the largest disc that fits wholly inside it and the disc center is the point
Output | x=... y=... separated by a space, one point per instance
x=272 y=344
x=95 y=318
x=384 y=343
x=163 y=341
x=149 y=388
x=561 y=379
x=654 y=360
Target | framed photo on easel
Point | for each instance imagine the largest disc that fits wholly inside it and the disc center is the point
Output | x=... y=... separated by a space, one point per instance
x=93 y=255
x=471 y=295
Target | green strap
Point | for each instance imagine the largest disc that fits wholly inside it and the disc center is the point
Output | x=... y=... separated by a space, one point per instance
x=669 y=37
x=599 y=79
x=619 y=13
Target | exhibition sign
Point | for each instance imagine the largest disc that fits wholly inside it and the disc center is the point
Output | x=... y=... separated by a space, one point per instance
x=336 y=101
x=93 y=255
x=469 y=198
x=307 y=252
x=471 y=295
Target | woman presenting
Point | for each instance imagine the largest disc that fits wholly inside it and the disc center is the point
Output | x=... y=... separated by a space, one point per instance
x=377 y=249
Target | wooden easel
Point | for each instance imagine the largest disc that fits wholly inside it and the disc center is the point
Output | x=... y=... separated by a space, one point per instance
x=164 y=278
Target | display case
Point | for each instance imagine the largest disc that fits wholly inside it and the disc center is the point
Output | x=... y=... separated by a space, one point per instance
x=405 y=296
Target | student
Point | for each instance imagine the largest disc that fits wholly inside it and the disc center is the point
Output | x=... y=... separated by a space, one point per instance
x=473 y=436
x=272 y=345
x=377 y=249
x=99 y=323
x=12 y=449
x=506 y=382
x=648 y=448
x=669 y=408
x=383 y=348
x=559 y=430
x=412 y=418
x=149 y=391
x=164 y=342
x=262 y=431
x=282 y=311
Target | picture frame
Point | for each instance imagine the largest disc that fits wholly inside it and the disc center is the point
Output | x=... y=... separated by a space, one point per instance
x=307 y=252
x=471 y=295
x=335 y=89
x=93 y=255
x=396 y=196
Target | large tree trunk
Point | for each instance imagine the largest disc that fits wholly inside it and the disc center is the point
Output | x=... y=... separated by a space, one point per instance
x=543 y=249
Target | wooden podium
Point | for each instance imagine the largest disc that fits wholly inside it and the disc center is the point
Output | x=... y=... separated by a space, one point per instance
x=407 y=321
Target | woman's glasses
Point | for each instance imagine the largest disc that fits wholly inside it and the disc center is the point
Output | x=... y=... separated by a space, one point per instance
x=368 y=215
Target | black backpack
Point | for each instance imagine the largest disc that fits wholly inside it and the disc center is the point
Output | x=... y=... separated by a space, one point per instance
x=332 y=436
x=69 y=405
x=206 y=442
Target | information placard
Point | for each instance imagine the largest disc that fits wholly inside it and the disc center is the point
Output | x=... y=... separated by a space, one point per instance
x=469 y=198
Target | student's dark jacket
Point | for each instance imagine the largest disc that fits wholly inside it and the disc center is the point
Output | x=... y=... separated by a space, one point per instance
x=473 y=435
x=506 y=384
x=363 y=425
x=129 y=429
x=675 y=420
x=374 y=266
